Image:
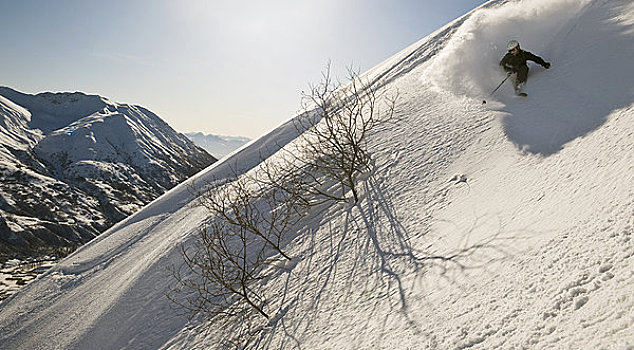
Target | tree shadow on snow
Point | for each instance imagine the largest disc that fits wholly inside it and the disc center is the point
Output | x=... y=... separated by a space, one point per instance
x=590 y=79
x=370 y=264
x=367 y=260
x=399 y=258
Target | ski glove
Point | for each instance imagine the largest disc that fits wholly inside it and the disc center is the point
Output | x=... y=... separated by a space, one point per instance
x=547 y=65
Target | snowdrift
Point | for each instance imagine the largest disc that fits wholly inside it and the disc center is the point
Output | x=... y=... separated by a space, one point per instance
x=497 y=226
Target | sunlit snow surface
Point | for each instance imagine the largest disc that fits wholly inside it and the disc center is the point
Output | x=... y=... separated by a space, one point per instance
x=535 y=196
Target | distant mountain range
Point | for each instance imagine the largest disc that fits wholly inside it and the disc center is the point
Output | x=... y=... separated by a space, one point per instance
x=73 y=164
x=218 y=146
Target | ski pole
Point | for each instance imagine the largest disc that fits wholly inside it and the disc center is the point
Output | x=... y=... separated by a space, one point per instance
x=496 y=89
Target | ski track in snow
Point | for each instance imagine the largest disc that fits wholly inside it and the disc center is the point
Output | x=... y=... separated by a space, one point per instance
x=532 y=197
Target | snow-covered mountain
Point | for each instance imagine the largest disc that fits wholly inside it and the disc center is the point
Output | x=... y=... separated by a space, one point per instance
x=216 y=145
x=503 y=225
x=74 y=164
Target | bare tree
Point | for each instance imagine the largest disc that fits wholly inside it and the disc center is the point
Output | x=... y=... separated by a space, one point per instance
x=251 y=214
x=241 y=237
x=335 y=134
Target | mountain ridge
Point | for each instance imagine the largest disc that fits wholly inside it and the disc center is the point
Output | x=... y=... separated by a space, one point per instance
x=74 y=164
x=217 y=145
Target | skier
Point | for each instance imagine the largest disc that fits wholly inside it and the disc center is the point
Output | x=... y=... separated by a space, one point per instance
x=514 y=62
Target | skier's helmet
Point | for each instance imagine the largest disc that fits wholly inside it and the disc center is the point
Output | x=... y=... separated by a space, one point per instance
x=512 y=45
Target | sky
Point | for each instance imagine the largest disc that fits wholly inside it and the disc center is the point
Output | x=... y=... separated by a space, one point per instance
x=224 y=67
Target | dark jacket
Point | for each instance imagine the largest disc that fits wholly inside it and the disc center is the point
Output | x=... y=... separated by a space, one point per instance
x=512 y=63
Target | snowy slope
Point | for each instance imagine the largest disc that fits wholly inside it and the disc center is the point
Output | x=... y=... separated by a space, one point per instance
x=13 y=127
x=528 y=200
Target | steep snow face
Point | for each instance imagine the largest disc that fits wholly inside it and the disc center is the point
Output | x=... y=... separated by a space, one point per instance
x=13 y=127
x=585 y=69
x=498 y=226
x=465 y=65
x=74 y=164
